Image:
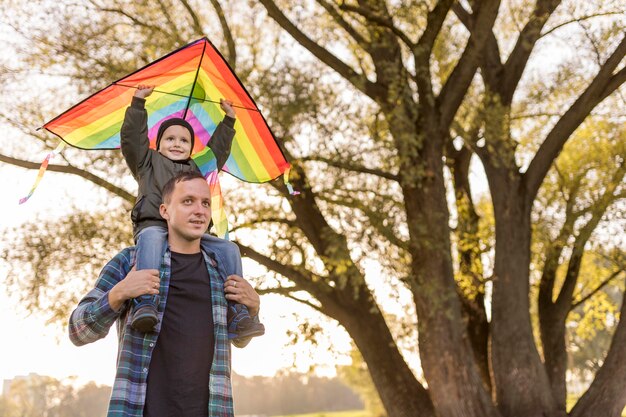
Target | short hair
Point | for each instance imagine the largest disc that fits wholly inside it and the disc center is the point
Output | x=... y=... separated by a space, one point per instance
x=182 y=176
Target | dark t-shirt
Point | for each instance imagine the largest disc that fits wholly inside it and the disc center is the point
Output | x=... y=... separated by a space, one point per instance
x=178 y=377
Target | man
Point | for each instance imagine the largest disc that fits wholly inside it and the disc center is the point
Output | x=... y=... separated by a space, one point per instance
x=183 y=367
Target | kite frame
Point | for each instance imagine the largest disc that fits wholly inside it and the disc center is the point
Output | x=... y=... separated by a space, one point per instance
x=117 y=82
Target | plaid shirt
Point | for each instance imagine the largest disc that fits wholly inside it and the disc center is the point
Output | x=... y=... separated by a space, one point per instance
x=93 y=318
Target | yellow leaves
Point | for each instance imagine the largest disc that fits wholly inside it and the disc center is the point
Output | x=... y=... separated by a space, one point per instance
x=598 y=313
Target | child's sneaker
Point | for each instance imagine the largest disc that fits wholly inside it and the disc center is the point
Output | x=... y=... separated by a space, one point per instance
x=244 y=325
x=145 y=318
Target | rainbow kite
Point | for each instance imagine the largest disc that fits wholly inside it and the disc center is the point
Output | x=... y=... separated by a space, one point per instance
x=189 y=83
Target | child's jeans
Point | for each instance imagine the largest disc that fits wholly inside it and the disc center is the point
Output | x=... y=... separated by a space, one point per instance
x=151 y=245
x=152 y=241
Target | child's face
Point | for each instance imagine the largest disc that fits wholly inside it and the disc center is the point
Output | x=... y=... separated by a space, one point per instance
x=175 y=143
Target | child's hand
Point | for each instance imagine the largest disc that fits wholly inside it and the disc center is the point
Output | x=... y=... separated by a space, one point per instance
x=143 y=90
x=227 y=106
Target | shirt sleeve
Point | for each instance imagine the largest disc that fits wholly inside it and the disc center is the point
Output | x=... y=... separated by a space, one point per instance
x=93 y=317
x=222 y=140
x=134 y=135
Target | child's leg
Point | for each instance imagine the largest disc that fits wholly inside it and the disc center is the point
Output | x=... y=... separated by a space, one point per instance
x=240 y=324
x=227 y=253
x=151 y=244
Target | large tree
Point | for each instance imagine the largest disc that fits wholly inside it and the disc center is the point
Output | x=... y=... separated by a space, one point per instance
x=390 y=97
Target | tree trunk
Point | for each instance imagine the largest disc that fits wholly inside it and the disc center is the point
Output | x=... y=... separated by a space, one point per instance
x=447 y=359
x=606 y=396
x=399 y=390
x=552 y=325
x=522 y=384
x=472 y=287
x=351 y=303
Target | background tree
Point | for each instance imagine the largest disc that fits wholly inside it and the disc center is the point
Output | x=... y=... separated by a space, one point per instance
x=37 y=395
x=381 y=117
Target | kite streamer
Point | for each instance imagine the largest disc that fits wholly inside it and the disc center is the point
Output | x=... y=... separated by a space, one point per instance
x=42 y=170
x=218 y=212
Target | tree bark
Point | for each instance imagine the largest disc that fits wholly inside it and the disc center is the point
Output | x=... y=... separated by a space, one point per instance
x=552 y=326
x=607 y=394
x=472 y=291
x=397 y=387
x=447 y=359
x=522 y=384
x=351 y=303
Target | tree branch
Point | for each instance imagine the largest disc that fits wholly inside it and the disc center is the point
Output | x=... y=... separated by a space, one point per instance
x=455 y=87
x=530 y=34
x=603 y=84
x=69 y=169
x=607 y=393
x=376 y=219
x=278 y=220
x=288 y=292
x=578 y=20
x=360 y=81
x=593 y=292
x=194 y=16
x=311 y=283
x=228 y=35
x=352 y=167
x=491 y=64
x=384 y=21
x=434 y=22
x=350 y=30
x=616 y=81
x=129 y=16
x=315 y=285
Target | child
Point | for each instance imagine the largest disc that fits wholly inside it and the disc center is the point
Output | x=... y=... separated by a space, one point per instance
x=152 y=169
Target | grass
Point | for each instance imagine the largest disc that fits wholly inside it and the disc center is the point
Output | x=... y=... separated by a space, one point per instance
x=352 y=413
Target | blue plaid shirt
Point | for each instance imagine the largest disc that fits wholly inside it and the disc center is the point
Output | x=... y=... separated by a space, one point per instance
x=93 y=318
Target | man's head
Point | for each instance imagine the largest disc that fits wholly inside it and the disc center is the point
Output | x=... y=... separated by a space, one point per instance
x=175 y=139
x=186 y=207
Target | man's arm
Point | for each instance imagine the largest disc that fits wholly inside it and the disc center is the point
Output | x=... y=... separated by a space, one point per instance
x=99 y=309
x=239 y=290
x=93 y=317
x=134 y=133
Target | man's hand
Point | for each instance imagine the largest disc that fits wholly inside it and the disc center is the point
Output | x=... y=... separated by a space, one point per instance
x=143 y=90
x=227 y=107
x=136 y=283
x=240 y=291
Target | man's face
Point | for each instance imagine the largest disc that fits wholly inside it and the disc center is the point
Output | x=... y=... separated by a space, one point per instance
x=189 y=210
x=176 y=143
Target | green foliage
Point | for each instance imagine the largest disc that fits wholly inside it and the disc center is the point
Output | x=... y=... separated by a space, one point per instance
x=63 y=259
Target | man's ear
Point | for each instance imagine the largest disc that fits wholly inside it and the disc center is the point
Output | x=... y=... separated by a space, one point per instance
x=163 y=211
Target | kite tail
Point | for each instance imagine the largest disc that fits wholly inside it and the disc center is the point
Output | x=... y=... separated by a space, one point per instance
x=288 y=184
x=42 y=170
x=218 y=212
